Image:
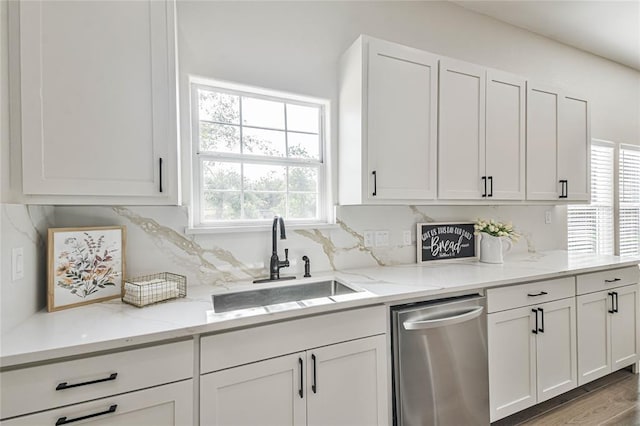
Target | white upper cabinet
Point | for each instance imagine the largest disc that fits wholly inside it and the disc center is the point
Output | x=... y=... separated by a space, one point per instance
x=574 y=154
x=388 y=123
x=505 y=136
x=482 y=133
x=461 y=138
x=542 y=143
x=558 y=145
x=98 y=101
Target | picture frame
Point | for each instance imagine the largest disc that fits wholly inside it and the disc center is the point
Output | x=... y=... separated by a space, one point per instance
x=445 y=241
x=84 y=265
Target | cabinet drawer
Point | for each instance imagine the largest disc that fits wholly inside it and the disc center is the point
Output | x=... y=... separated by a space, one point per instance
x=160 y=406
x=597 y=281
x=43 y=387
x=257 y=343
x=500 y=299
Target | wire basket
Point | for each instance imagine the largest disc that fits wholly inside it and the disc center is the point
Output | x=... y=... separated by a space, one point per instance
x=154 y=288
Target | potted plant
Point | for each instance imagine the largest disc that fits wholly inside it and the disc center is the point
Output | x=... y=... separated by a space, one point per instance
x=495 y=239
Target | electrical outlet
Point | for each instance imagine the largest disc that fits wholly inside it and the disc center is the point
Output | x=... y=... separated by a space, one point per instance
x=382 y=238
x=406 y=238
x=17 y=264
x=547 y=217
x=368 y=238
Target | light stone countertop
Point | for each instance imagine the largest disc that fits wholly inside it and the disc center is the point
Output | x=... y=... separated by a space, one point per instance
x=114 y=325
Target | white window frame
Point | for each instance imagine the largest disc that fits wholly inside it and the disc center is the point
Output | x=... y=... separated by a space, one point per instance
x=616 y=186
x=617 y=193
x=600 y=244
x=325 y=208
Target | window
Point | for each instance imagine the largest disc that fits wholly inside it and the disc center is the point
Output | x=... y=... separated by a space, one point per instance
x=629 y=183
x=590 y=227
x=258 y=154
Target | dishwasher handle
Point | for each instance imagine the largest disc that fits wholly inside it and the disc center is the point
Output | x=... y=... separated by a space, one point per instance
x=458 y=316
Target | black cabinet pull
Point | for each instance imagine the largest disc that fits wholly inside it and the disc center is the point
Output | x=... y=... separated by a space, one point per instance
x=564 y=188
x=612 y=310
x=314 y=386
x=541 y=329
x=300 y=391
x=612 y=281
x=484 y=180
x=535 y=330
x=375 y=183
x=64 y=385
x=490 y=186
x=64 y=420
x=615 y=295
x=542 y=293
x=160 y=169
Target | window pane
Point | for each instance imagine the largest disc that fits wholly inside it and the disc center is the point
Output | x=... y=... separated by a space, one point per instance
x=303 y=118
x=303 y=145
x=629 y=201
x=262 y=113
x=219 y=137
x=263 y=142
x=303 y=179
x=218 y=175
x=263 y=205
x=221 y=205
x=303 y=206
x=260 y=177
x=219 y=107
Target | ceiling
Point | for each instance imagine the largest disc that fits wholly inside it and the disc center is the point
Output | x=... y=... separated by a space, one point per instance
x=610 y=29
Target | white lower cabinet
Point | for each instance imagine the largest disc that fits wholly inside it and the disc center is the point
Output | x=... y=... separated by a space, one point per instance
x=340 y=384
x=532 y=349
x=607 y=331
x=165 y=405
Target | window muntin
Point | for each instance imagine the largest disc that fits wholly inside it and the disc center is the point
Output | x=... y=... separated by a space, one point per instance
x=256 y=156
x=591 y=227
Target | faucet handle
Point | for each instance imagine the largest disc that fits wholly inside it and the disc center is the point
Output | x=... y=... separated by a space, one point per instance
x=286 y=254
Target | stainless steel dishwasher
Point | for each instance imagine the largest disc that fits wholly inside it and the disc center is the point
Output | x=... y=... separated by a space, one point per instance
x=440 y=370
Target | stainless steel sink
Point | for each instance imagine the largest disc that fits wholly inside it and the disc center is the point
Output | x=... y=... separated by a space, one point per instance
x=226 y=302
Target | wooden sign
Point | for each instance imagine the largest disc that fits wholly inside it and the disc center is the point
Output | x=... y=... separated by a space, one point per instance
x=446 y=241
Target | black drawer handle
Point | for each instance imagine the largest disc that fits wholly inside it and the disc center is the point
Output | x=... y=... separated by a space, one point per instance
x=613 y=280
x=490 y=186
x=160 y=173
x=615 y=295
x=541 y=329
x=375 y=183
x=484 y=180
x=535 y=330
x=542 y=293
x=613 y=304
x=64 y=385
x=64 y=420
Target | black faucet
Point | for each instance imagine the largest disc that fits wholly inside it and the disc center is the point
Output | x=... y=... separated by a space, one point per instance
x=307 y=268
x=276 y=263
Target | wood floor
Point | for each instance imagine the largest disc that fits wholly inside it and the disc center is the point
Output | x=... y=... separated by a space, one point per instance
x=612 y=400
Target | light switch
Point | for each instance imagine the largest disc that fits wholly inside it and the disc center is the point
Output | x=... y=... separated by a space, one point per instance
x=17 y=264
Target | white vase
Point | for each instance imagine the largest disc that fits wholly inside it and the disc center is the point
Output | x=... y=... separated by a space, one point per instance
x=492 y=248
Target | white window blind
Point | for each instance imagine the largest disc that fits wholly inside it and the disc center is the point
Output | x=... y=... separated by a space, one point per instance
x=590 y=227
x=629 y=200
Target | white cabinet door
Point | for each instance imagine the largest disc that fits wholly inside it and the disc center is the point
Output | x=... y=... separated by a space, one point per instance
x=624 y=327
x=166 y=405
x=505 y=136
x=556 y=348
x=461 y=137
x=542 y=143
x=512 y=361
x=270 y=392
x=347 y=384
x=594 y=338
x=574 y=155
x=401 y=122
x=98 y=100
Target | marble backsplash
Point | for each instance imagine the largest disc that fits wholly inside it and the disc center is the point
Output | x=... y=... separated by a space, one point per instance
x=156 y=241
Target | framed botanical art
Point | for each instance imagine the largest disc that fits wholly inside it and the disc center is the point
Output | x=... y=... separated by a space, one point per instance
x=84 y=265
